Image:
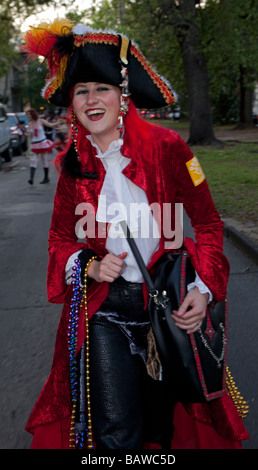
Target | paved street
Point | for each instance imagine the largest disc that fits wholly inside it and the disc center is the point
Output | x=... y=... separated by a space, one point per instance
x=28 y=323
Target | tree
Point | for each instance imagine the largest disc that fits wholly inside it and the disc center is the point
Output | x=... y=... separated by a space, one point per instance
x=23 y=7
x=232 y=55
x=211 y=66
x=242 y=24
x=7 y=49
x=196 y=74
x=178 y=18
x=11 y=10
x=33 y=79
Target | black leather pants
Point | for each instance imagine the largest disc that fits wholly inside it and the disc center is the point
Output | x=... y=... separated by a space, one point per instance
x=127 y=406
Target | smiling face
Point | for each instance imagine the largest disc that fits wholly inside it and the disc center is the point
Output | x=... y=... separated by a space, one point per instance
x=97 y=107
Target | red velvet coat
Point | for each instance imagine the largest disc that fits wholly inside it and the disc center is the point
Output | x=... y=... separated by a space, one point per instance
x=159 y=168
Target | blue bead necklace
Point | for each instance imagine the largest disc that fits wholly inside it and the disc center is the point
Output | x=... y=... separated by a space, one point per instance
x=80 y=433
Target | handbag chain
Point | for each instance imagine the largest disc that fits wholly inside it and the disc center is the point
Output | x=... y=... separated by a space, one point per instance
x=208 y=347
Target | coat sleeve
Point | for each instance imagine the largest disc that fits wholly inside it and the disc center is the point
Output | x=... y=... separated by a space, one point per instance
x=62 y=239
x=207 y=251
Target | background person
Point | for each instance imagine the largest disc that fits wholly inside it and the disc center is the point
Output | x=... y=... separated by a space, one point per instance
x=39 y=144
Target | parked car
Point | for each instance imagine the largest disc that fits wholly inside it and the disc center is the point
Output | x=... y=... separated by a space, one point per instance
x=177 y=113
x=5 y=137
x=23 y=119
x=18 y=134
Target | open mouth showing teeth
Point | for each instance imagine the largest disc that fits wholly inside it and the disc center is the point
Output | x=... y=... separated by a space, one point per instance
x=95 y=113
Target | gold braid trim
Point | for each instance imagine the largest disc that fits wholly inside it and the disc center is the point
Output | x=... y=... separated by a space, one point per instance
x=159 y=82
x=111 y=39
x=96 y=38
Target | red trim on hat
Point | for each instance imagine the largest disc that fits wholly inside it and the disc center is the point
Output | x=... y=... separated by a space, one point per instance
x=109 y=38
x=96 y=38
x=166 y=92
x=112 y=39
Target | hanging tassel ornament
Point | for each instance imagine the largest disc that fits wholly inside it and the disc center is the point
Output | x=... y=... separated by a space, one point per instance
x=239 y=402
x=74 y=133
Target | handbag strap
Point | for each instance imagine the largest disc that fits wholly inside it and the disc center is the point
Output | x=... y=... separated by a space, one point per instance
x=138 y=258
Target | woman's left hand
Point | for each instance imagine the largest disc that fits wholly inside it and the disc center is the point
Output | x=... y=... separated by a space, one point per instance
x=190 y=320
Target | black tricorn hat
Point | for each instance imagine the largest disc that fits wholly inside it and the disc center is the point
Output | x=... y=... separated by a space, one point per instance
x=80 y=54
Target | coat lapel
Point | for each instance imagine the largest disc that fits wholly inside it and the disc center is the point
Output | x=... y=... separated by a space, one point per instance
x=140 y=174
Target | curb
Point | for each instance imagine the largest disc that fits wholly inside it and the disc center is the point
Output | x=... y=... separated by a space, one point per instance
x=243 y=242
x=8 y=166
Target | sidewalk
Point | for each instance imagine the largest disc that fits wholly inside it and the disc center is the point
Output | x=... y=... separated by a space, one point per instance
x=244 y=237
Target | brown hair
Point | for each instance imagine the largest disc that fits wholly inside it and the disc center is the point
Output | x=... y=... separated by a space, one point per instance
x=33 y=114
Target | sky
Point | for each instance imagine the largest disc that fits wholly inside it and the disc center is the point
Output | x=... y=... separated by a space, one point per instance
x=51 y=13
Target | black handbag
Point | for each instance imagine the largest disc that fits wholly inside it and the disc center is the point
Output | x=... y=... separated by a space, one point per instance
x=192 y=364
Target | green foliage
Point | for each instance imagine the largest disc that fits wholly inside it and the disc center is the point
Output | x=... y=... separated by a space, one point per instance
x=7 y=50
x=33 y=80
x=144 y=22
x=22 y=7
x=228 y=30
x=231 y=171
x=9 y=11
x=229 y=38
x=83 y=16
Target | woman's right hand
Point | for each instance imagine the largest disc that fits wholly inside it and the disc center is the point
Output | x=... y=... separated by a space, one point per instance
x=108 y=269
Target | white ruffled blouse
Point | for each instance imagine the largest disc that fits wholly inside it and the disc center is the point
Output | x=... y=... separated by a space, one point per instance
x=120 y=199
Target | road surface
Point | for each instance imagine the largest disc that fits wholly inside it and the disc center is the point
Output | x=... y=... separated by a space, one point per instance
x=29 y=322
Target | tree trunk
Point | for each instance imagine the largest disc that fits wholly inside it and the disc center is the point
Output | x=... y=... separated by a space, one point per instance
x=246 y=100
x=187 y=32
x=6 y=83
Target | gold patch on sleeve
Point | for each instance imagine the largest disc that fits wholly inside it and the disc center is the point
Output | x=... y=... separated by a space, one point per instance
x=195 y=171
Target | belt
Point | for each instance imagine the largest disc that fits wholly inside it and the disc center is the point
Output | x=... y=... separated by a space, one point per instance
x=126 y=298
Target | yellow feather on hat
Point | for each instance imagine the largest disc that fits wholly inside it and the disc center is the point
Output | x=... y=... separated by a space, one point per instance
x=40 y=40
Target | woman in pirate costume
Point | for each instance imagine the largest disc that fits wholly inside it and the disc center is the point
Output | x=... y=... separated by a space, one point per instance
x=40 y=145
x=99 y=393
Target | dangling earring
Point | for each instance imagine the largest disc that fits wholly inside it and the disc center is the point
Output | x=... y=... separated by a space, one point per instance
x=123 y=99
x=124 y=48
x=74 y=133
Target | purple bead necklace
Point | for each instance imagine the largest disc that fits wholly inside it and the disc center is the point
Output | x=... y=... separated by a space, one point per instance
x=77 y=439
